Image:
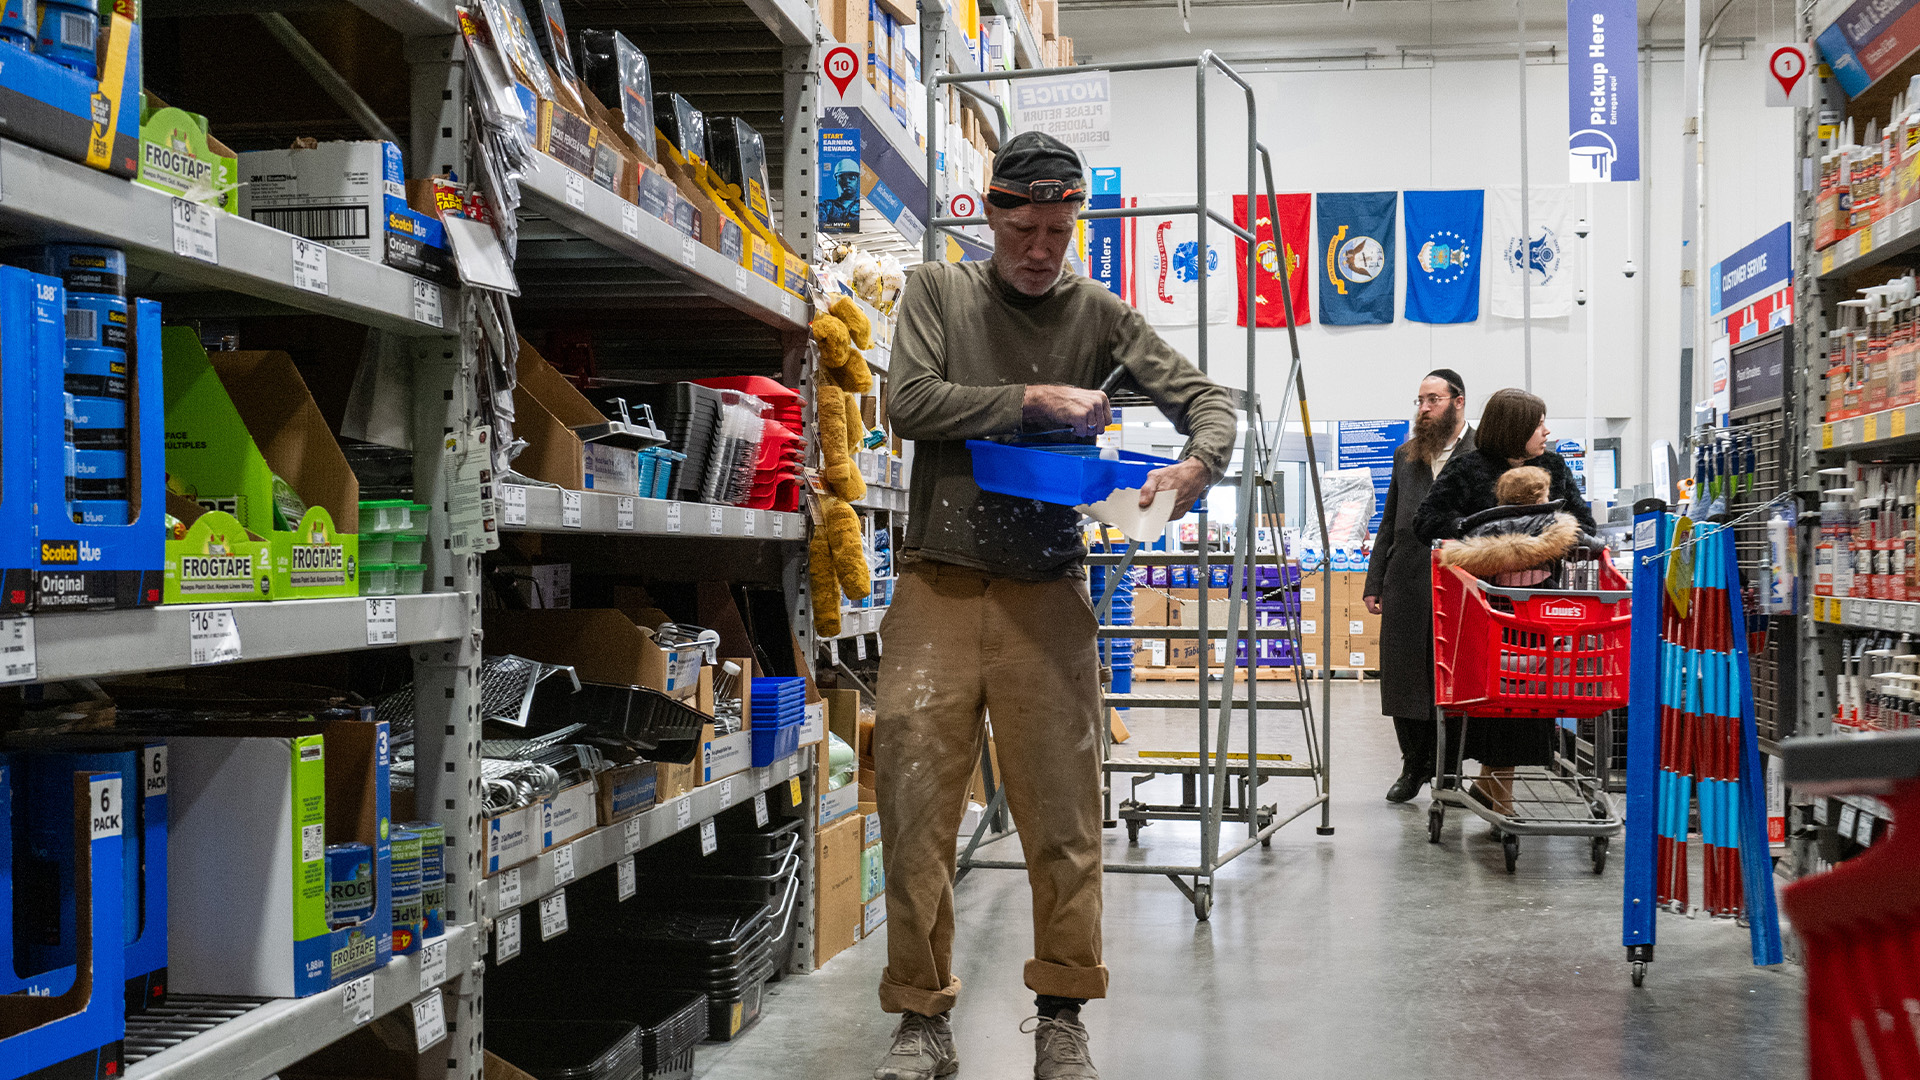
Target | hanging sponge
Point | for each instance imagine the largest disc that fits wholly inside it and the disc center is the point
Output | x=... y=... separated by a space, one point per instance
x=823 y=586
x=858 y=328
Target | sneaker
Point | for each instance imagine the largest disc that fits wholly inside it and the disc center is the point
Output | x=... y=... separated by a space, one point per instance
x=1060 y=1048
x=922 y=1050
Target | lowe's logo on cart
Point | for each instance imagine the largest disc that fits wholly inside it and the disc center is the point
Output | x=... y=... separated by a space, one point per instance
x=1563 y=609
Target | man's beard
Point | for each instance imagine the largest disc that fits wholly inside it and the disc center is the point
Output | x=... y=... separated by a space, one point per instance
x=1431 y=434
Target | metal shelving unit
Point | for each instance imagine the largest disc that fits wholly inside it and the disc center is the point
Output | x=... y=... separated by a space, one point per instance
x=520 y=886
x=50 y=198
x=239 y=1043
x=107 y=643
x=551 y=510
x=1899 y=616
x=857 y=622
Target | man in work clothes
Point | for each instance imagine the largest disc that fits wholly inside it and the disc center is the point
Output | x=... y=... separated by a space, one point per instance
x=992 y=615
x=1400 y=576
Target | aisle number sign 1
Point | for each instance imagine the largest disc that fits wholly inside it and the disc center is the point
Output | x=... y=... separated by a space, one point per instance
x=1787 y=82
x=843 y=68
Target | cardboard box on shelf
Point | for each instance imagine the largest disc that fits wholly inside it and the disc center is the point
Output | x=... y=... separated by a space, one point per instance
x=570 y=813
x=511 y=838
x=243 y=434
x=846 y=20
x=602 y=645
x=838 y=910
x=622 y=791
x=541 y=585
x=179 y=156
x=1048 y=25
x=350 y=196
x=673 y=780
x=64 y=112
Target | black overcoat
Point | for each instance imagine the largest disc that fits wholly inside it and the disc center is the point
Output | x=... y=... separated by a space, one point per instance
x=1400 y=575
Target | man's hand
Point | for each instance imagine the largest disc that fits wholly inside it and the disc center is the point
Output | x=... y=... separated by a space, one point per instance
x=1086 y=412
x=1188 y=480
x=1373 y=604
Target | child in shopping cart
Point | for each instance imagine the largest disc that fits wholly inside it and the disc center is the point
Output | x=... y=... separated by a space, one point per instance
x=1526 y=541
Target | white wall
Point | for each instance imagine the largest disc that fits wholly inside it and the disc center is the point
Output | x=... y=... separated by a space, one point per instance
x=1455 y=124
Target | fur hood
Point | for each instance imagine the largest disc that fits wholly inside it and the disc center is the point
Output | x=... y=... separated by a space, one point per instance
x=1513 y=541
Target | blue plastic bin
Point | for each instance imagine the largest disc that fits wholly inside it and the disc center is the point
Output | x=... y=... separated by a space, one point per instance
x=772 y=744
x=1070 y=475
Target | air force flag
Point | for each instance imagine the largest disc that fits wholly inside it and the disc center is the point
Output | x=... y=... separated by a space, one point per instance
x=1443 y=255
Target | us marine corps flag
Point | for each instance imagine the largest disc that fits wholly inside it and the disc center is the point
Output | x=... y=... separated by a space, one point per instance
x=1270 y=309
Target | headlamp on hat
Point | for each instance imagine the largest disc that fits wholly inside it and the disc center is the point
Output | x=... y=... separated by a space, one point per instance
x=1039 y=191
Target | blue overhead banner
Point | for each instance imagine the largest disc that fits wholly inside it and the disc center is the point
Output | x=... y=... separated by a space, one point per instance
x=1752 y=272
x=1603 y=91
x=1106 y=248
x=1369 y=445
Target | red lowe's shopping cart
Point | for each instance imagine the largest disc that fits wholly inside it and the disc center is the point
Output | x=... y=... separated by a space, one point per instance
x=1503 y=653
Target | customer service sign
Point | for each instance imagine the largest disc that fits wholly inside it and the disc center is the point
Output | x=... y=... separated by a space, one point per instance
x=1603 y=91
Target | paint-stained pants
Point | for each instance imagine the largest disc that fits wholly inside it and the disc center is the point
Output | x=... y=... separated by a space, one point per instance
x=960 y=643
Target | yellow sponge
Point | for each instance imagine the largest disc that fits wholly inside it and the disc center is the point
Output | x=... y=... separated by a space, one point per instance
x=858 y=328
x=823 y=586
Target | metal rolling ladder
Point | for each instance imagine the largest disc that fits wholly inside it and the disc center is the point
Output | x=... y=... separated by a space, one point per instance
x=1206 y=773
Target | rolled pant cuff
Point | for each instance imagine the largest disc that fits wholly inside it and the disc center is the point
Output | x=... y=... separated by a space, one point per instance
x=898 y=997
x=1059 y=980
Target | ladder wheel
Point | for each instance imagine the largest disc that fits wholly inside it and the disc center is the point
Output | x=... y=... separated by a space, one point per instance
x=1203 y=902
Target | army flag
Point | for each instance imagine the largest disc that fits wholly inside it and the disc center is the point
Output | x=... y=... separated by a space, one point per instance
x=1538 y=256
x=1443 y=255
x=1173 y=254
x=1354 y=260
x=1270 y=303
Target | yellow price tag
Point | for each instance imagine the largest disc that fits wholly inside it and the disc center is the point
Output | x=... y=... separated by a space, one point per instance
x=793 y=792
x=1870 y=428
x=1826 y=436
x=1826 y=262
x=1897 y=426
x=1820 y=609
x=1866 y=240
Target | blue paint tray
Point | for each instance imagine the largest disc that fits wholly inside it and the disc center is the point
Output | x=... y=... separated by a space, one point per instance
x=1071 y=475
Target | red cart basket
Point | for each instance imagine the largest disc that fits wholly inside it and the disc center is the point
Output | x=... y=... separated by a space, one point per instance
x=1504 y=653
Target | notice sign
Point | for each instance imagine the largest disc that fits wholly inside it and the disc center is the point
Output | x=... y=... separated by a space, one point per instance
x=1369 y=445
x=1603 y=91
x=1076 y=109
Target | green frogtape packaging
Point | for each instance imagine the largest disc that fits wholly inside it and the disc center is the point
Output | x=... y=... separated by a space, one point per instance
x=217 y=560
x=179 y=157
x=245 y=438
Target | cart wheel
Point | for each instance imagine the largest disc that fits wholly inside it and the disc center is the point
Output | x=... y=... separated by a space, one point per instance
x=1436 y=818
x=1203 y=902
x=1511 y=845
x=1639 y=972
x=1600 y=844
x=1133 y=831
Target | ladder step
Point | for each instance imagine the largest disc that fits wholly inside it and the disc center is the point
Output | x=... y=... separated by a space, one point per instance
x=1193 y=764
x=1265 y=633
x=1150 y=699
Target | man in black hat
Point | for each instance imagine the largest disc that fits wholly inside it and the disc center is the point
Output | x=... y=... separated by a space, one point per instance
x=991 y=613
x=1399 y=585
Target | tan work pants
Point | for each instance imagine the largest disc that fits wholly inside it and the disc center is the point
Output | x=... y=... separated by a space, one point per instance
x=960 y=642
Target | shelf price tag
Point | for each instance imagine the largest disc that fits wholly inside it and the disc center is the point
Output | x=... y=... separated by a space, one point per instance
x=760 y=816
x=569 y=509
x=563 y=865
x=779 y=525
x=673 y=517
x=630 y=219
x=1826 y=436
x=630 y=836
x=749 y=522
x=513 y=504
x=429 y=1022
x=433 y=963
x=623 y=514
x=786 y=305
x=682 y=812
x=212 y=637
x=509 y=891
x=1870 y=428
x=18 y=660
x=576 y=189
x=356 y=1004
x=793 y=791
x=1897 y=423
x=726 y=794
x=193 y=232
x=687 y=251
x=426 y=304
x=1866 y=240
x=716 y=520
x=625 y=875
x=383 y=620
x=506 y=937
x=709 y=837
x=740 y=277
x=309 y=265
x=553 y=915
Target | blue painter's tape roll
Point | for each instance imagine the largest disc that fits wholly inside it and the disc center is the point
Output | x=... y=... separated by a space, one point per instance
x=101 y=511
x=99 y=474
x=97 y=320
x=96 y=372
x=97 y=423
x=69 y=36
x=82 y=268
x=19 y=23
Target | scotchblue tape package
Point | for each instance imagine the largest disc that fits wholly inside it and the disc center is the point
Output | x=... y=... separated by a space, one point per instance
x=93 y=372
x=97 y=320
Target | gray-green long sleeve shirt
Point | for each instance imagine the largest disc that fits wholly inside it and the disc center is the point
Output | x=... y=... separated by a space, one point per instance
x=965 y=349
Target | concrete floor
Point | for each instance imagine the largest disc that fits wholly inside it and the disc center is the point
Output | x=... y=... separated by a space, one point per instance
x=1368 y=954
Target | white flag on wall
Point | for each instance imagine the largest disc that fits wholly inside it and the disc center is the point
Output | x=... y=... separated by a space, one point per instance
x=1544 y=255
x=1170 y=261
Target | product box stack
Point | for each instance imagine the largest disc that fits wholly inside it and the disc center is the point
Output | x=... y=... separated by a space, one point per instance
x=1173 y=596
x=82 y=479
x=1356 y=633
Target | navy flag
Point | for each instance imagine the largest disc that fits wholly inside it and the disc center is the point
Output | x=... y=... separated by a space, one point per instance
x=1355 y=257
